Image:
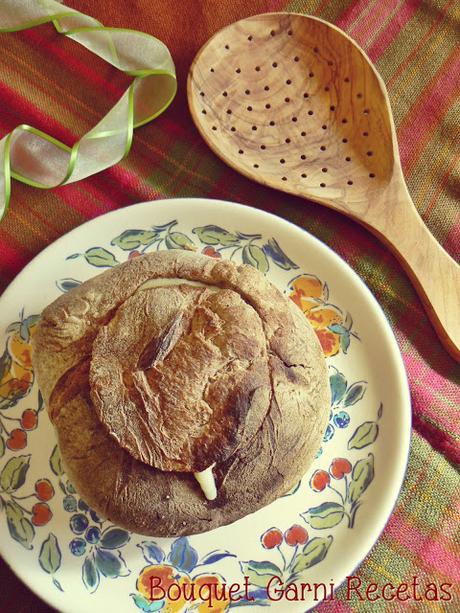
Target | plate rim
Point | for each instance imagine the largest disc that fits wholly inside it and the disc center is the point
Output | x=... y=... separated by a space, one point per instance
x=400 y=371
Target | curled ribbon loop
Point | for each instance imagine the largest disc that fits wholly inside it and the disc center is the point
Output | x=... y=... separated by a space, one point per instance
x=35 y=158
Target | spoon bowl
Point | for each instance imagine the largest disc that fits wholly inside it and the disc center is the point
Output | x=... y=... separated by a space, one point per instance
x=292 y=102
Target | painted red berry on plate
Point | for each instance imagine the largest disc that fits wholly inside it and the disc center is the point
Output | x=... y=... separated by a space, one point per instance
x=17 y=439
x=296 y=535
x=320 y=480
x=211 y=252
x=29 y=419
x=340 y=467
x=44 y=490
x=134 y=254
x=272 y=538
x=41 y=514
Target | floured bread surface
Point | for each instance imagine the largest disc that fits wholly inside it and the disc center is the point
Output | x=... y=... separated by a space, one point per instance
x=172 y=364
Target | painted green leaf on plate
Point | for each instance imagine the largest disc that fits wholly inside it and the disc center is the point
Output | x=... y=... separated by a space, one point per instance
x=56 y=462
x=100 y=257
x=133 y=239
x=254 y=256
x=312 y=553
x=326 y=515
x=260 y=573
x=14 y=473
x=50 y=555
x=215 y=235
x=364 y=435
x=20 y=528
x=362 y=476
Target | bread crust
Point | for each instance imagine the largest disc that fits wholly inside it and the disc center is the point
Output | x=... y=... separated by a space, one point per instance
x=145 y=386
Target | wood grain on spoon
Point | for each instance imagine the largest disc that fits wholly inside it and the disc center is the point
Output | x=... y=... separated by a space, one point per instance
x=292 y=102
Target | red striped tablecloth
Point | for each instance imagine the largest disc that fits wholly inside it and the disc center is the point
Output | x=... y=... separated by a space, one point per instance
x=59 y=87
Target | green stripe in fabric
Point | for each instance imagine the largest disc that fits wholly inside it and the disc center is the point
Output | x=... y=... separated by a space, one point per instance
x=185 y=172
x=330 y=11
x=421 y=68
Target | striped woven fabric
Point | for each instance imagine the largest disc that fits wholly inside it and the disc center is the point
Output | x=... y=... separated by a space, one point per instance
x=59 y=87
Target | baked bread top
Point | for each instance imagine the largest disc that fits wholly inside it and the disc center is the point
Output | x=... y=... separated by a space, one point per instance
x=168 y=365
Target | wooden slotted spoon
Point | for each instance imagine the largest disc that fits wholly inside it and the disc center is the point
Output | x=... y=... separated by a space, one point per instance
x=292 y=102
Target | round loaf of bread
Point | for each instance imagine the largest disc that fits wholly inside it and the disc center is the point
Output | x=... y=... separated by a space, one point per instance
x=175 y=365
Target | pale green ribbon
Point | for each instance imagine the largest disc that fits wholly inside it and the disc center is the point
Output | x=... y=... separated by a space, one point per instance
x=35 y=158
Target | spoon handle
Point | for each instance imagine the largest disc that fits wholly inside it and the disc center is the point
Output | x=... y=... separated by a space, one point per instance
x=435 y=275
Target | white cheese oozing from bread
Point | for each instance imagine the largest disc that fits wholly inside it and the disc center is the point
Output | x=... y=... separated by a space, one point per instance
x=207 y=482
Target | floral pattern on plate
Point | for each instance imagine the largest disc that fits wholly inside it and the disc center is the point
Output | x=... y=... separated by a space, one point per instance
x=100 y=549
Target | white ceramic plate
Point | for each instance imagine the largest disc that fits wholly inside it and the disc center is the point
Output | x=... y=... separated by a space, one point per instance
x=318 y=534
